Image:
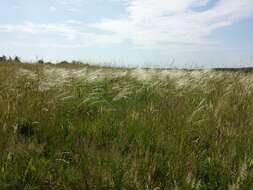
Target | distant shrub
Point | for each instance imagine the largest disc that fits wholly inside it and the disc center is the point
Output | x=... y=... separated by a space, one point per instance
x=40 y=61
x=3 y=58
x=17 y=59
x=64 y=62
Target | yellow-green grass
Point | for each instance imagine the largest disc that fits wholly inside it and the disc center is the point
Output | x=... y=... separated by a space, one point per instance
x=90 y=127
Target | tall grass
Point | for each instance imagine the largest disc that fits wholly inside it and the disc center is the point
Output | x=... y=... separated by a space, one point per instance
x=84 y=127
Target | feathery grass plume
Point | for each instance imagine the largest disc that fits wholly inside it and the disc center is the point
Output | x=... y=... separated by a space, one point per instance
x=73 y=126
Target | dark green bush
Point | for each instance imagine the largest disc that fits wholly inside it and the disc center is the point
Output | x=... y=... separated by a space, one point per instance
x=25 y=127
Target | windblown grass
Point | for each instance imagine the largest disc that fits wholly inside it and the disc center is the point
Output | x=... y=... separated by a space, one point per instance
x=83 y=127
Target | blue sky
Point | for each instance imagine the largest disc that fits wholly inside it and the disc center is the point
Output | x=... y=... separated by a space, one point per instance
x=155 y=33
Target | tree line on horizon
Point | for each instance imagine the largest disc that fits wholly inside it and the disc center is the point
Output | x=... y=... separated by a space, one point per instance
x=10 y=59
x=17 y=59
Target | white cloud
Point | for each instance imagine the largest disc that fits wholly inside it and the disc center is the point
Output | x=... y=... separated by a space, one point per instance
x=16 y=6
x=70 y=2
x=156 y=22
x=73 y=33
x=52 y=8
x=73 y=10
x=33 y=28
x=149 y=23
x=72 y=5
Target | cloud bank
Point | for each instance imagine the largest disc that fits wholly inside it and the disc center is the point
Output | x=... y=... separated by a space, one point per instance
x=147 y=23
x=156 y=22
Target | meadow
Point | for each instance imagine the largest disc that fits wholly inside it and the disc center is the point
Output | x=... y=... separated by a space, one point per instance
x=70 y=126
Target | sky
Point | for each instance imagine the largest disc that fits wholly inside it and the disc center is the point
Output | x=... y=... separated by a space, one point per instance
x=145 y=33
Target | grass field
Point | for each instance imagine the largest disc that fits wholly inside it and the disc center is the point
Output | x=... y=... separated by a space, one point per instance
x=86 y=127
